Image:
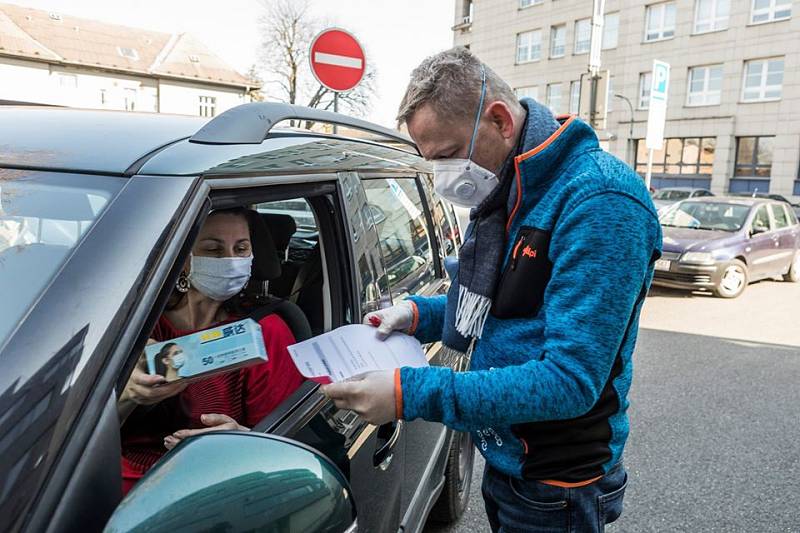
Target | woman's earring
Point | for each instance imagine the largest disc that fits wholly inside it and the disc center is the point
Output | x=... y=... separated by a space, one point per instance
x=182 y=285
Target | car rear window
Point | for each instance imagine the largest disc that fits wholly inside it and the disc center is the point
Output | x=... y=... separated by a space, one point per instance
x=43 y=217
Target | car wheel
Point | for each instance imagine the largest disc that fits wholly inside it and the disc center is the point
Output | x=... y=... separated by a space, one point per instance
x=457 y=480
x=794 y=271
x=733 y=281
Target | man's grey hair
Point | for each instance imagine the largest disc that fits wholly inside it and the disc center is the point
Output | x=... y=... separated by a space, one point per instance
x=450 y=82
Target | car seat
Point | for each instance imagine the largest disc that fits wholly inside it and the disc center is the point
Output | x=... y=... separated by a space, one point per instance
x=307 y=290
x=282 y=227
x=267 y=267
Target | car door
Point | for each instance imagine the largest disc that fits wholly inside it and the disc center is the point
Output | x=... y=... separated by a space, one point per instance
x=762 y=246
x=60 y=445
x=785 y=237
x=414 y=227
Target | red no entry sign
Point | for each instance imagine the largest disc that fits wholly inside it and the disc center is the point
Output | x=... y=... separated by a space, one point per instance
x=337 y=60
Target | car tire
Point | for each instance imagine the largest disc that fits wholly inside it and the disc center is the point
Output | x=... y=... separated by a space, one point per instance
x=733 y=281
x=457 y=481
x=794 y=271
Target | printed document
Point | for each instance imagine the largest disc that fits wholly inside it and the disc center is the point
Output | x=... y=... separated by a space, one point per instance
x=352 y=350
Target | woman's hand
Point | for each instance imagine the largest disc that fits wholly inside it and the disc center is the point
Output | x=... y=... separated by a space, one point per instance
x=145 y=389
x=399 y=317
x=214 y=422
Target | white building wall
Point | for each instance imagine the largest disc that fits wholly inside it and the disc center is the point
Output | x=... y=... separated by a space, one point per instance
x=492 y=36
x=37 y=82
x=184 y=97
x=31 y=81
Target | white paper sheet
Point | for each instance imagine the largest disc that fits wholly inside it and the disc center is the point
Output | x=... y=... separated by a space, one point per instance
x=351 y=350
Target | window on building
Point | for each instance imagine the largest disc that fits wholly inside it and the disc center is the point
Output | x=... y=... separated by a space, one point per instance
x=67 y=81
x=103 y=97
x=754 y=156
x=466 y=12
x=531 y=91
x=529 y=46
x=574 y=97
x=763 y=80
x=130 y=99
x=711 y=15
x=683 y=162
x=583 y=36
x=610 y=30
x=128 y=53
x=660 y=22
x=558 y=40
x=610 y=95
x=645 y=81
x=770 y=10
x=705 y=85
x=528 y=3
x=554 y=97
x=208 y=106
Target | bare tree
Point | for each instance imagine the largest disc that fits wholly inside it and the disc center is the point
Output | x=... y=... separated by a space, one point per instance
x=287 y=29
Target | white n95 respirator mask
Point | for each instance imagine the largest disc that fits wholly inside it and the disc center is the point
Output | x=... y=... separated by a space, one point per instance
x=463 y=182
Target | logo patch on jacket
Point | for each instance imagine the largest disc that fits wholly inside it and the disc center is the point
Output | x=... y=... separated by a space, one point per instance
x=520 y=291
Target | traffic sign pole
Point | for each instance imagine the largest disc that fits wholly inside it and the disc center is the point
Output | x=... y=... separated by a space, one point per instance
x=657 y=113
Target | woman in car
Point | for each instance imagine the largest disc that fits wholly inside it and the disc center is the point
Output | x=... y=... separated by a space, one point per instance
x=156 y=414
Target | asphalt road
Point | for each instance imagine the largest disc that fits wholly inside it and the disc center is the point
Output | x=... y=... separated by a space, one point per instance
x=715 y=440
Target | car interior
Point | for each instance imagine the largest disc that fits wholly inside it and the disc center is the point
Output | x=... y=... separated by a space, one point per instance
x=288 y=277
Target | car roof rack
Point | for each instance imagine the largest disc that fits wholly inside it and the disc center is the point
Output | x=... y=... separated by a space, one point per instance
x=251 y=124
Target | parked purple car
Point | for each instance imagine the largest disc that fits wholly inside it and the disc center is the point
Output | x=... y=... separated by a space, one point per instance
x=721 y=244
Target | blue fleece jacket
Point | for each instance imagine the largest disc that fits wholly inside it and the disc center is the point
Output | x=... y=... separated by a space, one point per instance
x=546 y=395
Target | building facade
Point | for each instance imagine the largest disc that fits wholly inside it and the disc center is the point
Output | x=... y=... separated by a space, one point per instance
x=53 y=58
x=733 y=112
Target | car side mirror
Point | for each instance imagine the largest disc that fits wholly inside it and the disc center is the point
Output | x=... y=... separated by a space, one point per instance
x=239 y=481
x=758 y=229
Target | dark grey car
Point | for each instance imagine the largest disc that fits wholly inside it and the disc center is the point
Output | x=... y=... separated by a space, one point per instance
x=98 y=212
x=723 y=243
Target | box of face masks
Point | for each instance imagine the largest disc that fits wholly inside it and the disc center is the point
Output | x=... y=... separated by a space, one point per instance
x=207 y=352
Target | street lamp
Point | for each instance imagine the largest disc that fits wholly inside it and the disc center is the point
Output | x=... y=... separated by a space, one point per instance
x=628 y=151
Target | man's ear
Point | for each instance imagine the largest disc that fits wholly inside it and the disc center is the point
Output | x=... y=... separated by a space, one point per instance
x=501 y=117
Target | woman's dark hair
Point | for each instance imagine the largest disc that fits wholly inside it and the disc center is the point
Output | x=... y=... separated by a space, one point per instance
x=160 y=365
x=238 y=304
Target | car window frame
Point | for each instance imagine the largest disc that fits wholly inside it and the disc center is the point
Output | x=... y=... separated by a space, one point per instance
x=755 y=215
x=439 y=275
x=779 y=205
x=84 y=429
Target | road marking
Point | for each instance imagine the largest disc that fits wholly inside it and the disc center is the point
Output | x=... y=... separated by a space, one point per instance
x=339 y=61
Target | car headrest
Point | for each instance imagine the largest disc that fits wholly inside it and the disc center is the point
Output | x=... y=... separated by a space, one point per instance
x=282 y=227
x=266 y=261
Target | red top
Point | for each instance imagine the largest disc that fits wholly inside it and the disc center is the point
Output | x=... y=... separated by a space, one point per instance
x=245 y=394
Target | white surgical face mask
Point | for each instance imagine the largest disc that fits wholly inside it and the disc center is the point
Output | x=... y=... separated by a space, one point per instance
x=463 y=182
x=178 y=360
x=220 y=278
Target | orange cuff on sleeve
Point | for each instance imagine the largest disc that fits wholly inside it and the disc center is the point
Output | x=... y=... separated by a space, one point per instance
x=415 y=320
x=398 y=395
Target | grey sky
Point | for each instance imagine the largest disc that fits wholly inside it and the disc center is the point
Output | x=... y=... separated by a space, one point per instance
x=396 y=34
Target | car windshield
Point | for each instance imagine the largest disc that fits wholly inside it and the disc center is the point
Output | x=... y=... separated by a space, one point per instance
x=706 y=215
x=43 y=216
x=672 y=195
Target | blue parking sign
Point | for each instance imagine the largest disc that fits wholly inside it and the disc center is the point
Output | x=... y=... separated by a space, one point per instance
x=660 y=80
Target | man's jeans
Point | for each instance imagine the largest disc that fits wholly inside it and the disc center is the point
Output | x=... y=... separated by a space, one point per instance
x=514 y=505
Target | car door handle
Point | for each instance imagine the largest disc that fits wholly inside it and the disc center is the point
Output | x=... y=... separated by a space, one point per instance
x=389 y=435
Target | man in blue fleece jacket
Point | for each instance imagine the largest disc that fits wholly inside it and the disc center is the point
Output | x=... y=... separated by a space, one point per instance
x=556 y=263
